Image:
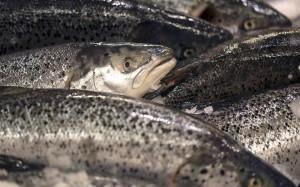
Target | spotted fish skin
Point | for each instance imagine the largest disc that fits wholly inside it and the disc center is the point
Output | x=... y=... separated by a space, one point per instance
x=241 y=68
x=31 y=24
x=266 y=125
x=238 y=16
x=117 y=135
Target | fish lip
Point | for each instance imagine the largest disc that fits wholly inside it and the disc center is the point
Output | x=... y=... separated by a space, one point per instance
x=171 y=61
x=158 y=62
x=161 y=61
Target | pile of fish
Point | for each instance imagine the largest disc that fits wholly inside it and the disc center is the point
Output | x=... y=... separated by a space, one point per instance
x=149 y=93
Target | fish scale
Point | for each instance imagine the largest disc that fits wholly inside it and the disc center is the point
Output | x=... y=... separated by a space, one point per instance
x=266 y=125
x=32 y=24
x=129 y=138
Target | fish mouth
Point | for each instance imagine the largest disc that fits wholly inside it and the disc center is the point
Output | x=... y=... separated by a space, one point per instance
x=154 y=72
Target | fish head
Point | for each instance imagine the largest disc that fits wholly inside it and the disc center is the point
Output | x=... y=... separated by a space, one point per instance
x=253 y=172
x=244 y=16
x=188 y=37
x=126 y=68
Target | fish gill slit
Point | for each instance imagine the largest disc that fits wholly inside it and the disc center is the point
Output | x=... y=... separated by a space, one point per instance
x=174 y=175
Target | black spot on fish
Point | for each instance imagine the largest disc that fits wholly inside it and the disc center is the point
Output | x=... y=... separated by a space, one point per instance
x=203 y=171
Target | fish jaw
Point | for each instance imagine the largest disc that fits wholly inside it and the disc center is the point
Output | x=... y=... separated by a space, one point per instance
x=151 y=75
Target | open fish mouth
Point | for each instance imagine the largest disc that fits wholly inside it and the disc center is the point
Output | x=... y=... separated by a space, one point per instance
x=153 y=73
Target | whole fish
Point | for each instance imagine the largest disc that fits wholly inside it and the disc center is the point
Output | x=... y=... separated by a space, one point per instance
x=241 y=68
x=238 y=16
x=36 y=23
x=124 y=68
x=266 y=125
x=119 y=136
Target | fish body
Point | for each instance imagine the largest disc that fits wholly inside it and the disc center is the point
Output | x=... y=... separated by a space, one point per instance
x=115 y=135
x=32 y=24
x=18 y=172
x=238 y=16
x=50 y=177
x=125 y=68
x=241 y=68
x=266 y=125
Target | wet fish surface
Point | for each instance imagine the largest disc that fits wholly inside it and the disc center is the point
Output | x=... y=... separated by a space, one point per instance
x=266 y=125
x=238 y=16
x=18 y=172
x=50 y=177
x=36 y=23
x=125 y=68
x=241 y=68
x=119 y=136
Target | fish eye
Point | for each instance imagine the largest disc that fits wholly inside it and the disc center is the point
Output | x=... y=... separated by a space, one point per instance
x=189 y=52
x=255 y=182
x=127 y=64
x=249 y=24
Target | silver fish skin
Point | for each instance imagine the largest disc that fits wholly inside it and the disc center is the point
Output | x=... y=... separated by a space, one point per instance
x=238 y=16
x=35 y=23
x=125 y=68
x=16 y=171
x=266 y=125
x=240 y=68
x=50 y=177
x=119 y=136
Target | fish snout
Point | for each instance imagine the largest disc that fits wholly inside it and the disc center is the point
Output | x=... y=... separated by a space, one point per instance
x=161 y=52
